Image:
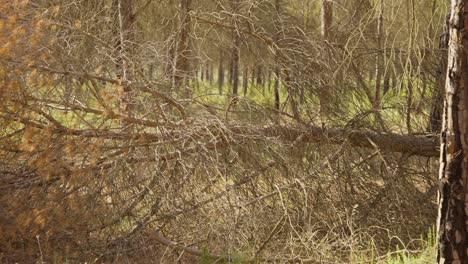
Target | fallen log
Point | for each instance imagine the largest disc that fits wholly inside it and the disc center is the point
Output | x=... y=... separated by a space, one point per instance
x=418 y=145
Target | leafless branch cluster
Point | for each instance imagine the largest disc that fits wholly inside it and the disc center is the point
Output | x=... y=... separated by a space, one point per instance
x=106 y=157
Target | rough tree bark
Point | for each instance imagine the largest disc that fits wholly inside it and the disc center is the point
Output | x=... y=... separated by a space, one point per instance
x=411 y=17
x=235 y=51
x=276 y=87
x=379 y=57
x=183 y=52
x=453 y=199
x=326 y=15
x=435 y=116
x=221 y=71
x=126 y=38
x=412 y=144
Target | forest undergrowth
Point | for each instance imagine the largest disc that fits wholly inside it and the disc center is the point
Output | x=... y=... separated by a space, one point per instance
x=119 y=143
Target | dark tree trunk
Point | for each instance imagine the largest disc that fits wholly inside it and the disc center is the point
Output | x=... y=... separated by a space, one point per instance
x=194 y=79
x=411 y=18
x=245 y=80
x=269 y=80
x=409 y=104
x=386 y=84
x=211 y=74
x=394 y=83
x=183 y=53
x=276 y=87
x=326 y=15
x=253 y=75
x=371 y=76
x=235 y=77
x=453 y=199
x=126 y=37
x=151 y=71
x=276 y=38
x=291 y=89
x=221 y=72
x=235 y=52
x=230 y=69
x=259 y=75
x=302 y=96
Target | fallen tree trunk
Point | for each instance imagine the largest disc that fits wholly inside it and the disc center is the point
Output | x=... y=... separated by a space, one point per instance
x=418 y=145
x=415 y=145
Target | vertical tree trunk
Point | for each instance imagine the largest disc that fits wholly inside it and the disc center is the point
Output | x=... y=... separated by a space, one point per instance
x=409 y=104
x=126 y=38
x=453 y=200
x=431 y=25
x=386 y=84
x=371 y=76
x=245 y=79
x=435 y=115
x=259 y=75
x=211 y=74
x=379 y=57
x=292 y=94
x=326 y=15
x=269 y=80
x=221 y=71
x=253 y=76
x=276 y=38
x=151 y=71
x=423 y=89
x=171 y=57
x=411 y=17
x=183 y=54
x=194 y=78
x=276 y=87
x=302 y=96
x=235 y=51
x=202 y=74
x=230 y=68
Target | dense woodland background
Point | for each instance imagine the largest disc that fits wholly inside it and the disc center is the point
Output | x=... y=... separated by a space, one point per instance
x=165 y=131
